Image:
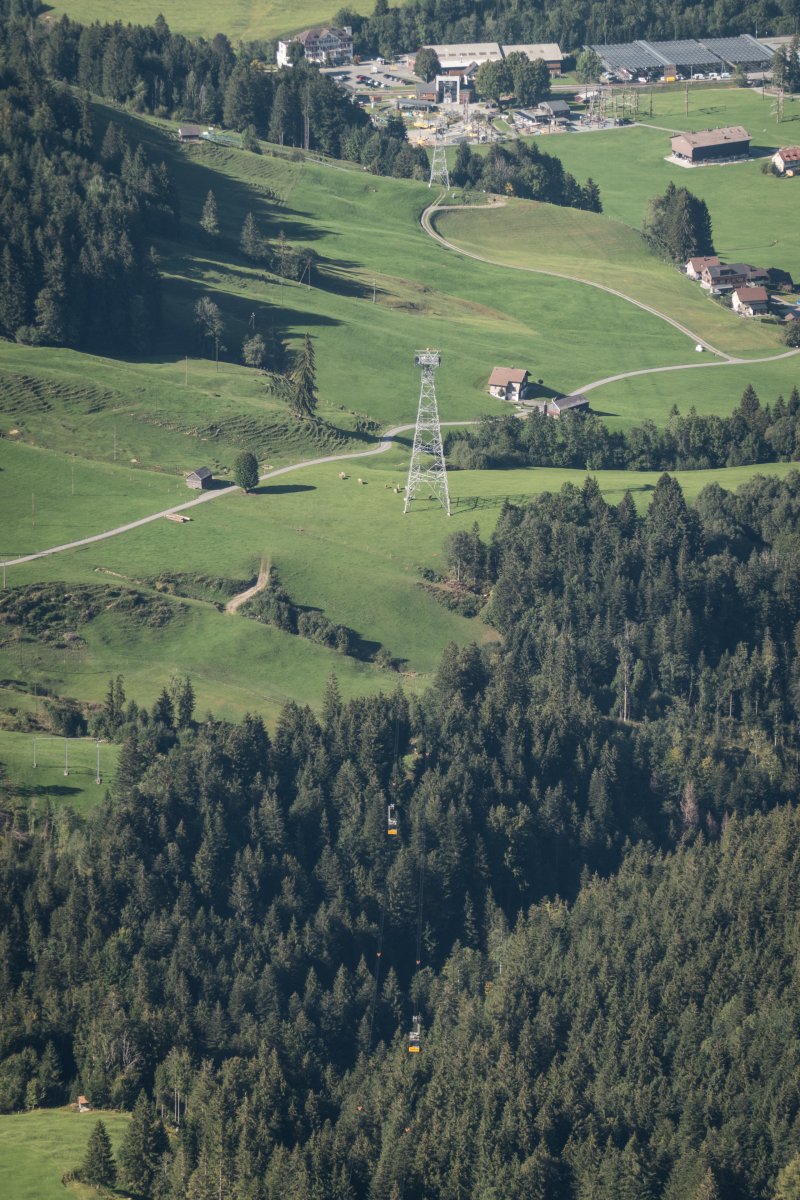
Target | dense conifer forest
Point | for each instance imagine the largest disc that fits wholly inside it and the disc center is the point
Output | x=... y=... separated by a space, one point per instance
x=591 y=903
x=753 y=433
x=76 y=265
x=422 y=22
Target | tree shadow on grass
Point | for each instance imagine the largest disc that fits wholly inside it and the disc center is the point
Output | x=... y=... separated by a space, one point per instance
x=282 y=489
x=355 y=435
x=218 y=485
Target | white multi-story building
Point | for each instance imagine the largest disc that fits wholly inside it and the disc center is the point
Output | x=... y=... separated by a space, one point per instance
x=324 y=44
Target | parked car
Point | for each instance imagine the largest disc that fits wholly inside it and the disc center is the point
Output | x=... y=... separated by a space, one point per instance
x=698 y=75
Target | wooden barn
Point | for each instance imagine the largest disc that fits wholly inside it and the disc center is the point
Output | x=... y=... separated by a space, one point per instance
x=199 y=479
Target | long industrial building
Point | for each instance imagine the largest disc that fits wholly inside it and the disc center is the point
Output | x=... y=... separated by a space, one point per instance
x=687 y=57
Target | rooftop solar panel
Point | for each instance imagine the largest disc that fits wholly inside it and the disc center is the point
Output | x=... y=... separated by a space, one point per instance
x=739 y=50
x=685 y=54
x=627 y=56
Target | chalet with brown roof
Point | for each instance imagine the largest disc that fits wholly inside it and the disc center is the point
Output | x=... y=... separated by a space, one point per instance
x=749 y=301
x=508 y=383
x=787 y=160
x=694 y=267
x=727 y=276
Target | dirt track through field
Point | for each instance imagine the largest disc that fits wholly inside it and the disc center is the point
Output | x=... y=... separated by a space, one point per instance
x=236 y=602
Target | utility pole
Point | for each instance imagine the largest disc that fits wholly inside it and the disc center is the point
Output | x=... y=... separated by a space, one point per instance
x=439 y=171
x=427 y=470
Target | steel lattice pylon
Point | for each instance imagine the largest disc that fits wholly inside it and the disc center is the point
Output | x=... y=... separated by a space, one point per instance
x=427 y=472
x=439 y=171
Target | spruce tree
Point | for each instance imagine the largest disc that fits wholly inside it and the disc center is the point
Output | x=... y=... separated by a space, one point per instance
x=98 y=1166
x=142 y=1148
x=280 y=117
x=209 y=221
x=303 y=380
x=251 y=242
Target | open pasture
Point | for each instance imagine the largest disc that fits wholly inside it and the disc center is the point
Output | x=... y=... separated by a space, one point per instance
x=380 y=289
x=546 y=238
x=240 y=20
x=46 y=784
x=754 y=216
x=38 y=1147
x=343 y=549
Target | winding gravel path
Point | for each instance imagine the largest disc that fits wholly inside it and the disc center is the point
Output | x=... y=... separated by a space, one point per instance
x=724 y=360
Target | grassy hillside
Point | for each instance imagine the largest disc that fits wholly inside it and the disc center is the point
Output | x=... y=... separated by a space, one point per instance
x=754 y=216
x=543 y=237
x=241 y=20
x=37 y=1148
x=127 y=430
x=21 y=782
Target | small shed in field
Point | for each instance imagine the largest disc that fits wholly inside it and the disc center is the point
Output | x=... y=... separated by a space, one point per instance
x=201 y=478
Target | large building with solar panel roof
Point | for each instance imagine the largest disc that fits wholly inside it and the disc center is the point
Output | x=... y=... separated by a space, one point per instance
x=630 y=58
x=687 y=56
x=742 y=51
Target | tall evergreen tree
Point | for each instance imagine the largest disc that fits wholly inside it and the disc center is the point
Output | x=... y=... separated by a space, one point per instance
x=303 y=382
x=142 y=1148
x=98 y=1166
x=209 y=219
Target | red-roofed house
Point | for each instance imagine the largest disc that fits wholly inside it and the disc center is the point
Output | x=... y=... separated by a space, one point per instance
x=508 y=383
x=694 y=267
x=787 y=160
x=747 y=301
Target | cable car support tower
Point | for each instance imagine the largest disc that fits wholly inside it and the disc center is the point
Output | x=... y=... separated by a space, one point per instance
x=427 y=472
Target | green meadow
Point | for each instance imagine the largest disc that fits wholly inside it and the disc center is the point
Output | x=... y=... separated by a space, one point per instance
x=546 y=238
x=38 y=1147
x=46 y=784
x=93 y=442
x=754 y=215
x=241 y=20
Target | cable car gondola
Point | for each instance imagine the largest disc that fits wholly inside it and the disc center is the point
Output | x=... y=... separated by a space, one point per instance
x=414 y=1036
x=391 y=820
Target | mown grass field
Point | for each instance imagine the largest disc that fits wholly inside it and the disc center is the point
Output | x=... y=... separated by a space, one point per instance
x=240 y=20
x=337 y=547
x=37 y=1148
x=754 y=215
x=45 y=784
x=546 y=238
